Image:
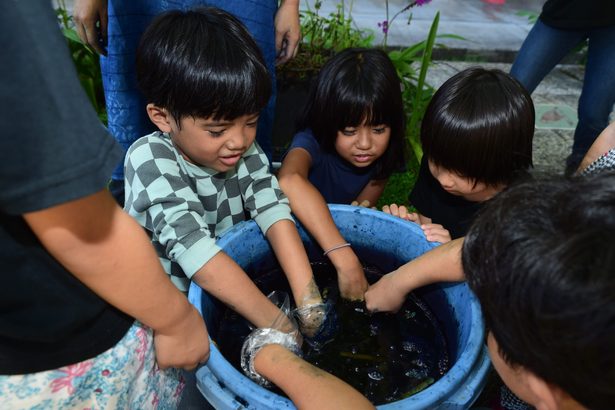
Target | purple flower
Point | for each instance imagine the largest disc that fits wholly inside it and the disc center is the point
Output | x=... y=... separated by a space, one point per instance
x=385 y=26
x=422 y=2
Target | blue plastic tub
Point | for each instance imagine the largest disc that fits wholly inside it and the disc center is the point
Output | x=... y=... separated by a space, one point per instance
x=381 y=240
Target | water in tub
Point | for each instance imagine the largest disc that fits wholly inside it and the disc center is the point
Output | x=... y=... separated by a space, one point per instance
x=387 y=357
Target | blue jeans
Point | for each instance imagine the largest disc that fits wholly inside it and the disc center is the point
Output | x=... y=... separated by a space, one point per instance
x=545 y=47
x=127 y=20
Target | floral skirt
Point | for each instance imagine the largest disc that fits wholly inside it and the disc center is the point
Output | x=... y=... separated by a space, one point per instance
x=124 y=377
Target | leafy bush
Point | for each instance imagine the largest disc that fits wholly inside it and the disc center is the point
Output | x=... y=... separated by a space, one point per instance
x=323 y=36
x=398 y=187
x=86 y=62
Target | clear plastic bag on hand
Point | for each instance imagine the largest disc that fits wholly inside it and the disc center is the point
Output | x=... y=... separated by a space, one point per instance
x=318 y=323
x=283 y=331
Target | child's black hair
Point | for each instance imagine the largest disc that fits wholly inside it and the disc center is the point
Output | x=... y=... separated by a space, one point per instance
x=540 y=257
x=356 y=86
x=202 y=63
x=480 y=124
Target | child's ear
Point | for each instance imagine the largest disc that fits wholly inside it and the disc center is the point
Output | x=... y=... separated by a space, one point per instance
x=547 y=395
x=160 y=117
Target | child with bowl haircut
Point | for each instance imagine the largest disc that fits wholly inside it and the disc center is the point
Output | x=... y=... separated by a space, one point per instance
x=205 y=82
x=477 y=137
x=349 y=141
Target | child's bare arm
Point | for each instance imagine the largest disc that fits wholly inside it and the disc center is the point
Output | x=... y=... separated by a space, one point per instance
x=306 y=385
x=224 y=279
x=441 y=264
x=310 y=207
x=109 y=252
x=372 y=192
x=289 y=251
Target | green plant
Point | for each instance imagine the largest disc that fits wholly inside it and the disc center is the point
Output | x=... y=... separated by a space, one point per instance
x=416 y=93
x=388 y=22
x=86 y=62
x=323 y=36
x=398 y=187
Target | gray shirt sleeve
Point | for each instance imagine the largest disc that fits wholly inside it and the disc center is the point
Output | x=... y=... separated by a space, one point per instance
x=54 y=148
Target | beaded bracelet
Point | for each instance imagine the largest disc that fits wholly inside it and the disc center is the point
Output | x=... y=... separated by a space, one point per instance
x=335 y=248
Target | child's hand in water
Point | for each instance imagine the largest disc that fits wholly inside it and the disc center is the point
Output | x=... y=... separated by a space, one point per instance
x=436 y=233
x=310 y=311
x=385 y=295
x=351 y=281
x=350 y=275
x=318 y=323
x=401 y=212
x=282 y=331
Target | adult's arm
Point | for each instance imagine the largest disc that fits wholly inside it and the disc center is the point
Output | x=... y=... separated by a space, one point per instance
x=287 y=30
x=91 y=19
x=109 y=252
x=310 y=207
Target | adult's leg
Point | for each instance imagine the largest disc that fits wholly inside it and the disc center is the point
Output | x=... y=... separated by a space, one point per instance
x=543 y=48
x=598 y=93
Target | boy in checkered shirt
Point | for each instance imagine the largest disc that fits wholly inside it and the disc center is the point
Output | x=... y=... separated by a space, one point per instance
x=205 y=81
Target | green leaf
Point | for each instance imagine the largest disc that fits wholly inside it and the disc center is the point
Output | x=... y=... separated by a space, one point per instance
x=532 y=16
x=453 y=36
x=414 y=118
x=88 y=86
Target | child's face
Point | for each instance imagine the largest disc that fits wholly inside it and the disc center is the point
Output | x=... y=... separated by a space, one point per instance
x=214 y=144
x=456 y=184
x=362 y=145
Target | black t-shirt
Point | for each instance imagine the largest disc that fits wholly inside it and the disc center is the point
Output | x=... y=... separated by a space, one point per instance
x=575 y=14
x=431 y=200
x=53 y=150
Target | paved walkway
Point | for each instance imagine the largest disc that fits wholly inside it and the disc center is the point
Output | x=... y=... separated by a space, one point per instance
x=486 y=26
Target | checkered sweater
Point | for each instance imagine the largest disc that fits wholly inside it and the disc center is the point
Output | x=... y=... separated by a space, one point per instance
x=185 y=207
